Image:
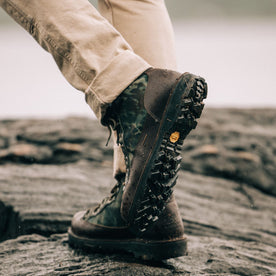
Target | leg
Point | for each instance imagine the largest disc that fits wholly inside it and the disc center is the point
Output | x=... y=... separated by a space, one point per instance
x=87 y=49
x=146 y=26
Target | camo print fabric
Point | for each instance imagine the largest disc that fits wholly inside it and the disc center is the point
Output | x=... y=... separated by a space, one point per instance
x=131 y=116
x=130 y=113
x=108 y=212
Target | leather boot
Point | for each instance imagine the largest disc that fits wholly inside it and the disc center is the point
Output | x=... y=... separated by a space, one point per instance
x=152 y=117
x=103 y=230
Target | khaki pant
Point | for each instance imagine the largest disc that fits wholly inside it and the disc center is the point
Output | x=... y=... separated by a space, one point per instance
x=100 y=53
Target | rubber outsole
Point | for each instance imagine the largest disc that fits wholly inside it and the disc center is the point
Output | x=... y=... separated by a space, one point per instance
x=181 y=117
x=142 y=249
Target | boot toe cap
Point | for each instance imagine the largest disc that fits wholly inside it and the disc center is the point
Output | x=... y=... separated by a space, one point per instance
x=79 y=226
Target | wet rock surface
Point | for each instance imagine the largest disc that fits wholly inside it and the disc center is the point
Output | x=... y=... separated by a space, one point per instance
x=51 y=169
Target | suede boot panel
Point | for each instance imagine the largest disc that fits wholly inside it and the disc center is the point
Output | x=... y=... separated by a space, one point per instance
x=160 y=84
x=169 y=225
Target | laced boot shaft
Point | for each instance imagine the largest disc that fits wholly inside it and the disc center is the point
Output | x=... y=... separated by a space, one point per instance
x=107 y=213
x=128 y=116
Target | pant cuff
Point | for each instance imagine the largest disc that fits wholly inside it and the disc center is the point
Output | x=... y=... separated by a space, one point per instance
x=111 y=82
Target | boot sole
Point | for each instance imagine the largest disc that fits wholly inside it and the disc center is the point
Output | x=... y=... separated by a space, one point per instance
x=142 y=249
x=185 y=106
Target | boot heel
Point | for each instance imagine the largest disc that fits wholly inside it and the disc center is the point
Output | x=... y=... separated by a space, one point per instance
x=163 y=250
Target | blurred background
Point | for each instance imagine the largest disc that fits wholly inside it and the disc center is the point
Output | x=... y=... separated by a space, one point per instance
x=231 y=43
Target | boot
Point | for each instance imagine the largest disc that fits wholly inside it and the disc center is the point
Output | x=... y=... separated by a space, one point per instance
x=102 y=229
x=152 y=117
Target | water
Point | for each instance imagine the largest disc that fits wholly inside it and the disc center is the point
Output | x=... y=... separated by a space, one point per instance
x=236 y=58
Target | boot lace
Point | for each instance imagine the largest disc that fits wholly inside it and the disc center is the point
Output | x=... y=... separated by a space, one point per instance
x=112 y=124
x=113 y=194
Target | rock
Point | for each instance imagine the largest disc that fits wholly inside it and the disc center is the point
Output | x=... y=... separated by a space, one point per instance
x=4 y=138
x=230 y=225
x=24 y=150
x=208 y=150
x=3 y=142
x=69 y=147
x=236 y=144
x=56 y=258
x=25 y=153
x=51 y=169
x=9 y=222
x=37 y=255
x=46 y=196
x=247 y=156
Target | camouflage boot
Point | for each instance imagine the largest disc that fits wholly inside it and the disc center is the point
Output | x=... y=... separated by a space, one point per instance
x=152 y=118
x=103 y=230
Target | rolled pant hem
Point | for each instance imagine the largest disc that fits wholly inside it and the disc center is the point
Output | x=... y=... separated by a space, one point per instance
x=111 y=81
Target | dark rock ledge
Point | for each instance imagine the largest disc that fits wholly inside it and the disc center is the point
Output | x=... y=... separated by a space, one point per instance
x=226 y=194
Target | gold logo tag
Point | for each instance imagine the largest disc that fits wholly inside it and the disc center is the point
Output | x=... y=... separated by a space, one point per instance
x=174 y=137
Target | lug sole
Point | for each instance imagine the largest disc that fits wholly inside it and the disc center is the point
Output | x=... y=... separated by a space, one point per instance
x=142 y=249
x=184 y=109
